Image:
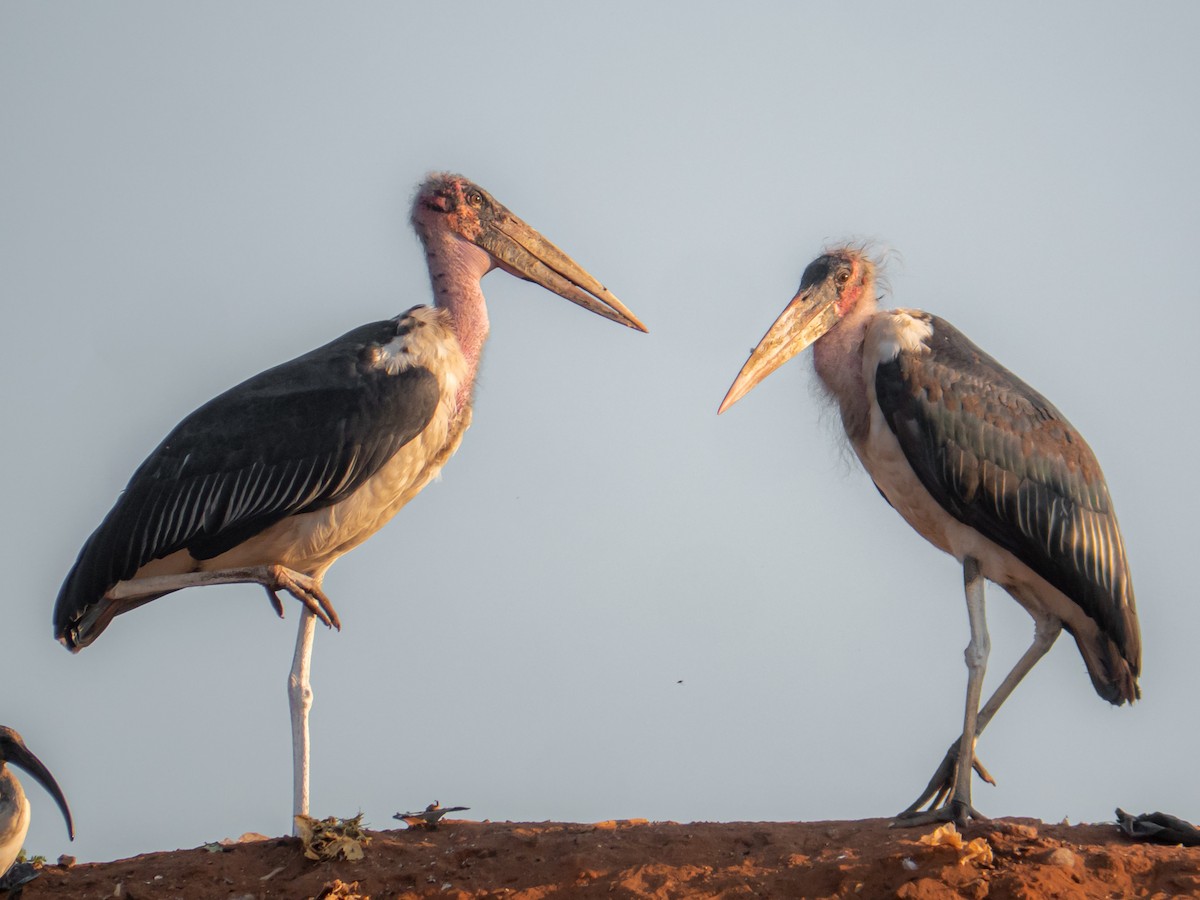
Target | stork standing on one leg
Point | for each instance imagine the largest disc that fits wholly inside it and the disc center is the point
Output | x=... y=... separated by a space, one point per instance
x=14 y=806
x=273 y=480
x=983 y=467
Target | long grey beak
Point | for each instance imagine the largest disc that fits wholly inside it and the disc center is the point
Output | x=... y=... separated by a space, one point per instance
x=521 y=250
x=811 y=313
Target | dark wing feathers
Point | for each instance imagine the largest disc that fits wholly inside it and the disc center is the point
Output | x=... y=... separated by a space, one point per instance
x=293 y=439
x=999 y=457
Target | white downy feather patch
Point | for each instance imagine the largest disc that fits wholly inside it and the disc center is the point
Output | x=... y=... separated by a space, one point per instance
x=901 y=329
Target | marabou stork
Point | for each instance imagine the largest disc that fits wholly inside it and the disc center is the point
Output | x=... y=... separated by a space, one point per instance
x=14 y=806
x=273 y=480
x=984 y=468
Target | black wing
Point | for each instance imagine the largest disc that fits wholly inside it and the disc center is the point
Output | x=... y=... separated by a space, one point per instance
x=292 y=439
x=1000 y=458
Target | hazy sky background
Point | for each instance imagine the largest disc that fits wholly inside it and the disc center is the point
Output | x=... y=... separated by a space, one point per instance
x=192 y=193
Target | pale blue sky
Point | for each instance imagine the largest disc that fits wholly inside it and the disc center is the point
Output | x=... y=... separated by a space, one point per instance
x=192 y=193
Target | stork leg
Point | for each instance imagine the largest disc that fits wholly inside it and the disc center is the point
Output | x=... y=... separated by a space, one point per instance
x=304 y=588
x=1047 y=628
x=300 y=698
x=958 y=808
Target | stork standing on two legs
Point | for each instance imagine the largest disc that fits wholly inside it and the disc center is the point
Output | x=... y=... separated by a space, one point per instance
x=983 y=467
x=273 y=480
x=14 y=806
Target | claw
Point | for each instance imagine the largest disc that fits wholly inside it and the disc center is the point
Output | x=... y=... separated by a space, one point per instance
x=276 y=603
x=308 y=591
x=982 y=772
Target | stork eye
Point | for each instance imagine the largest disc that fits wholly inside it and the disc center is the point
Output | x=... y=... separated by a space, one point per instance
x=474 y=197
x=842 y=276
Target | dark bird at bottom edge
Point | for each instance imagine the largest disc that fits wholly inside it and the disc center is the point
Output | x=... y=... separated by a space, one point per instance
x=14 y=805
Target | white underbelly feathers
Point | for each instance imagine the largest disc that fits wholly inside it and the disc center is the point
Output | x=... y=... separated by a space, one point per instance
x=14 y=821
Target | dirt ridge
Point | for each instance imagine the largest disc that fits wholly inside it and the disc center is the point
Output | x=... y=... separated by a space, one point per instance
x=635 y=858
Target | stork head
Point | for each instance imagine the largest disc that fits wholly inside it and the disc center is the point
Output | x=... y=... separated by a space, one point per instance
x=13 y=750
x=449 y=205
x=834 y=286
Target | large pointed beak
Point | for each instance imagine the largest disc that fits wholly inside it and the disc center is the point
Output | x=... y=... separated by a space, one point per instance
x=521 y=250
x=13 y=750
x=811 y=313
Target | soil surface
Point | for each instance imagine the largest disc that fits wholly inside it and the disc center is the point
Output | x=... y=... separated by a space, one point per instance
x=1017 y=858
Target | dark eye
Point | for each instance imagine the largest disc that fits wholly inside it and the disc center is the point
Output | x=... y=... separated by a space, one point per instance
x=842 y=276
x=474 y=197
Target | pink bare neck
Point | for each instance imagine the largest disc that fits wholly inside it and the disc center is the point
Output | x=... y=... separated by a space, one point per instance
x=455 y=269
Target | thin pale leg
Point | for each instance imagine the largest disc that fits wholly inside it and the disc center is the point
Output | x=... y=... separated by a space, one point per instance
x=304 y=588
x=1046 y=631
x=300 y=698
x=958 y=809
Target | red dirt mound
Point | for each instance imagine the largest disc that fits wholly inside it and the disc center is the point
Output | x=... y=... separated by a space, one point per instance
x=1015 y=858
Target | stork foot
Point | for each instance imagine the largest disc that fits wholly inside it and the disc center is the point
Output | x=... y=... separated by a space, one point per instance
x=942 y=783
x=305 y=589
x=956 y=811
